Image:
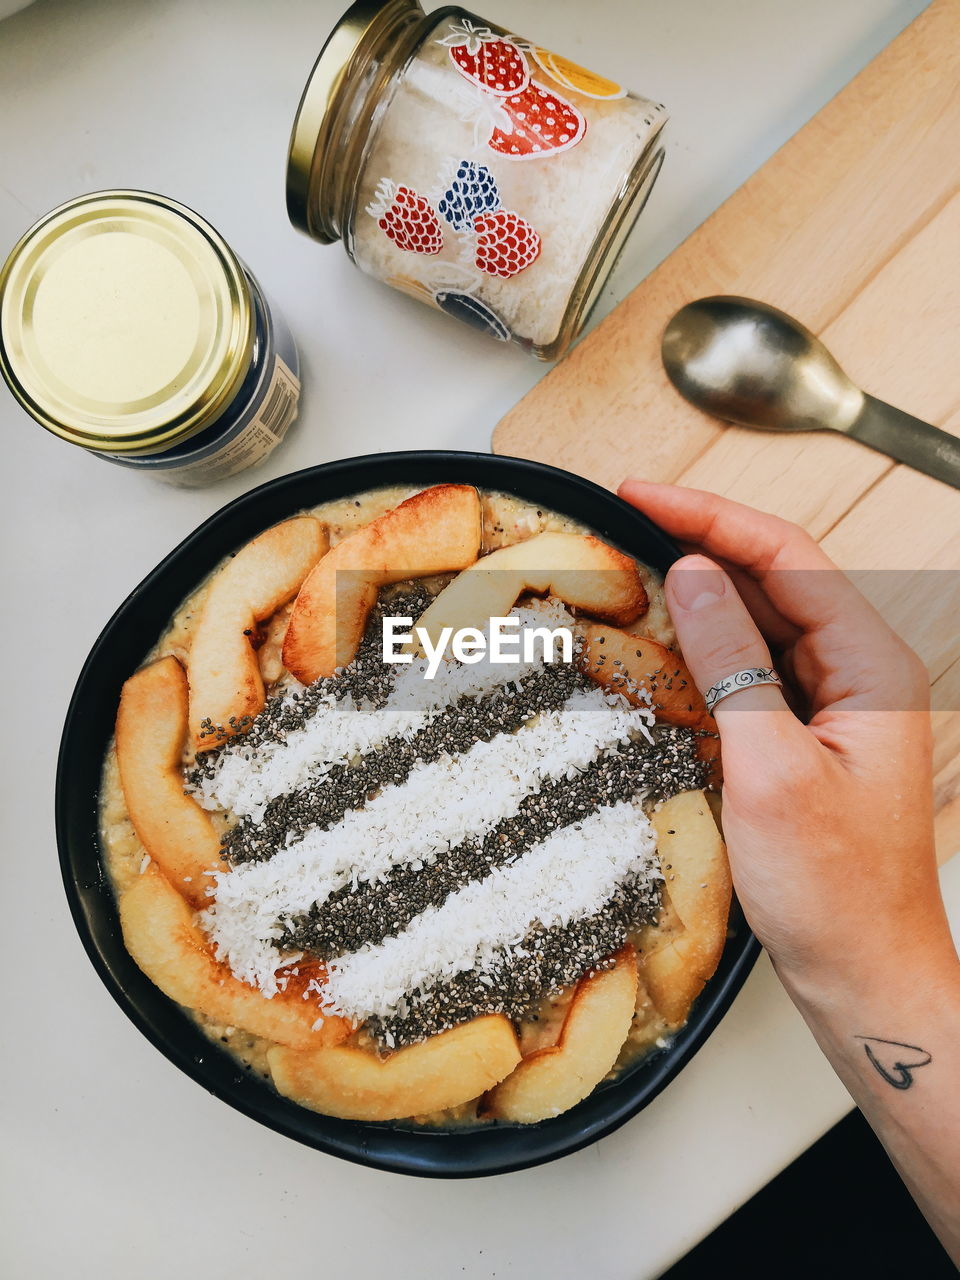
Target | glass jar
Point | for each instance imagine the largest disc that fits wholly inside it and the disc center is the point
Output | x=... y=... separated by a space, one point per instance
x=129 y=327
x=470 y=168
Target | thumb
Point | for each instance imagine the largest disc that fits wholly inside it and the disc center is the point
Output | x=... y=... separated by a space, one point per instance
x=718 y=638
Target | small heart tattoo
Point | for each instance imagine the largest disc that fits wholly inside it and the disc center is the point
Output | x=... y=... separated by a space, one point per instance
x=891 y=1058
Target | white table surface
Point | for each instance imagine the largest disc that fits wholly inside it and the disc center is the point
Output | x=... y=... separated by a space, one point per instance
x=114 y=1163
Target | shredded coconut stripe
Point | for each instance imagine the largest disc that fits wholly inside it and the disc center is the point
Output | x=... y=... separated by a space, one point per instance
x=243 y=782
x=440 y=805
x=565 y=878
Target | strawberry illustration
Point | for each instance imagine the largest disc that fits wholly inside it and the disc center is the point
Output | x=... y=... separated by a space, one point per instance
x=498 y=66
x=406 y=218
x=506 y=243
x=542 y=124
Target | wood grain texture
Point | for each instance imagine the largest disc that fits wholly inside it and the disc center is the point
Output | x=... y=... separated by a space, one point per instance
x=898 y=338
x=808 y=232
x=854 y=227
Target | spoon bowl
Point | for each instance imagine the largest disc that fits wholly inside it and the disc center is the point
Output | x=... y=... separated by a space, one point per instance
x=750 y=364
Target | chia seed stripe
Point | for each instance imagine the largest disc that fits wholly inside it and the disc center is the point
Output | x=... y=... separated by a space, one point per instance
x=515 y=984
x=350 y=785
x=369 y=913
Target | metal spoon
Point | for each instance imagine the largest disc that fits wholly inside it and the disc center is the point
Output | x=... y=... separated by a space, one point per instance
x=751 y=364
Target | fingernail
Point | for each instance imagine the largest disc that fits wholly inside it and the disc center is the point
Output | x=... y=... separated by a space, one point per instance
x=696 y=584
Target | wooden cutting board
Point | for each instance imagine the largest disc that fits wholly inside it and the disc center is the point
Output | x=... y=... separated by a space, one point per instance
x=853 y=227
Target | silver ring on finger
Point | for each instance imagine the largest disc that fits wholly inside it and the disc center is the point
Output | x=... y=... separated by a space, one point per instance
x=749 y=678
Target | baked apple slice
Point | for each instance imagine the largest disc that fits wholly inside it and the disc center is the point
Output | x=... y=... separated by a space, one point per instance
x=225 y=681
x=618 y=661
x=628 y=664
x=676 y=965
x=161 y=934
x=433 y=532
x=576 y=568
x=151 y=731
x=444 y=1071
x=552 y=1080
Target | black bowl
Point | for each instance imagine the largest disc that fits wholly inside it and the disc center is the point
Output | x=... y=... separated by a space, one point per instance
x=125 y=640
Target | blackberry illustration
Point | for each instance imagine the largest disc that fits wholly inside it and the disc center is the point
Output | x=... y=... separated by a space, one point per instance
x=473 y=191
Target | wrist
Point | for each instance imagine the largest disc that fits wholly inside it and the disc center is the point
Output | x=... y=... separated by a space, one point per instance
x=866 y=984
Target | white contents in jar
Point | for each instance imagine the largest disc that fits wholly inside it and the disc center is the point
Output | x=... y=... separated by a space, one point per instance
x=488 y=202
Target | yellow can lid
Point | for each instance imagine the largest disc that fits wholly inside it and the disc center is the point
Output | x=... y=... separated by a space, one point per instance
x=126 y=322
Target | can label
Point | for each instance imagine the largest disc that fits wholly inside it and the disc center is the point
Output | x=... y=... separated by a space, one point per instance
x=255 y=441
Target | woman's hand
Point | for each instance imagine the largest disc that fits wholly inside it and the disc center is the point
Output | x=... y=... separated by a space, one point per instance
x=828 y=818
x=829 y=823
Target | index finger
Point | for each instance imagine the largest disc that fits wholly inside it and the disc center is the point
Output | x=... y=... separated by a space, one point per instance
x=812 y=595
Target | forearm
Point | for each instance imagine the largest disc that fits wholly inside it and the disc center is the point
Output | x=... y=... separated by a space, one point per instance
x=892 y=1033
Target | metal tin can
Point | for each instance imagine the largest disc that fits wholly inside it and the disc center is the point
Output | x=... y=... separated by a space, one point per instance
x=471 y=168
x=129 y=327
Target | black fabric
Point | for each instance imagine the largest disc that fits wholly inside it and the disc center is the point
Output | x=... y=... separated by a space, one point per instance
x=839 y=1211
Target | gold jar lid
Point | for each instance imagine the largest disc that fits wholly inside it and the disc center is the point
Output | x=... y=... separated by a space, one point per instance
x=326 y=131
x=126 y=322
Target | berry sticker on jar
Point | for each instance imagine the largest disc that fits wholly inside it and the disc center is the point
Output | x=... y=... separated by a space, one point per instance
x=472 y=191
x=406 y=218
x=531 y=122
x=506 y=243
x=539 y=124
x=496 y=65
x=499 y=241
x=490 y=177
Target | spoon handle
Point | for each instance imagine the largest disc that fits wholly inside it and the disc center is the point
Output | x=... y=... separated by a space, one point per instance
x=901 y=436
